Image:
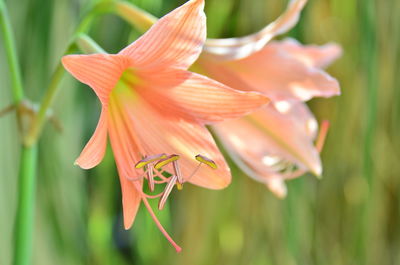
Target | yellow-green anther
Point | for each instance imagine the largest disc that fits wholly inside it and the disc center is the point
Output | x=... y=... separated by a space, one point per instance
x=207 y=161
x=166 y=161
x=149 y=159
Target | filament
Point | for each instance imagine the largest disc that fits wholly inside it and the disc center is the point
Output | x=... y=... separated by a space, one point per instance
x=322 y=135
x=159 y=225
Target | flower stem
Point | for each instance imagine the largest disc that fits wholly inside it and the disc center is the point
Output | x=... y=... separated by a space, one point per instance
x=40 y=118
x=11 y=54
x=25 y=209
x=135 y=16
x=51 y=91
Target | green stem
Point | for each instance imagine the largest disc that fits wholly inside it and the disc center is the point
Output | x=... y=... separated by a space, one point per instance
x=26 y=202
x=40 y=118
x=135 y=16
x=88 y=45
x=11 y=54
x=28 y=159
x=51 y=91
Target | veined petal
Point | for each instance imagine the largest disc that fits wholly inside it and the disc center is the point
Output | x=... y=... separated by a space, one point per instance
x=126 y=153
x=99 y=71
x=312 y=55
x=183 y=94
x=95 y=149
x=275 y=137
x=236 y=48
x=274 y=72
x=175 y=40
x=160 y=134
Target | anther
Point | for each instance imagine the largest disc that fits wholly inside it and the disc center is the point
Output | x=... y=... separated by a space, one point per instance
x=149 y=159
x=207 y=161
x=165 y=161
x=167 y=191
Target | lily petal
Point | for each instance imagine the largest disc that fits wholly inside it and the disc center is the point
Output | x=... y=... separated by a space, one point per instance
x=236 y=48
x=159 y=134
x=175 y=40
x=183 y=94
x=95 y=149
x=312 y=55
x=275 y=137
x=274 y=72
x=99 y=71
x=126 y=151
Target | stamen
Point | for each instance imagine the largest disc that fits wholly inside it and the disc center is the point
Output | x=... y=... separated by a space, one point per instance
x=158 y=173
x=153 y=196
x=167 y=191
x=150 y=177
x=194 y=172
x=149 y=159
x=177 y=171
x=322 y=135
x=207 y=161
x=137 y=178
x=154 y=217
x=161 y=181
x=166 y=161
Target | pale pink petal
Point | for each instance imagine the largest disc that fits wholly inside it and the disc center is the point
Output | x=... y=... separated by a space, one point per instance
x=126 y=154
x=94 y=150
x=99 y=71
x=274 y=72
x=175 y=40
x=236 y=48
x=265 y=140
x=277 y=186
x=300 y=116
x=159 y=134
x=312 y=55
x=182 y=94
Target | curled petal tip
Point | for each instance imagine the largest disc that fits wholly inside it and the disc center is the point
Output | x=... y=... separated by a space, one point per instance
x=317 y=171
x=277 y=187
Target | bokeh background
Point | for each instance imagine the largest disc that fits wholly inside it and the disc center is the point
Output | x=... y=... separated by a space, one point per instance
x=351 y=216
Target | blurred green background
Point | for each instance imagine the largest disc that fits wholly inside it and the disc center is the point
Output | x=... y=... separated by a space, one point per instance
x=351 y=216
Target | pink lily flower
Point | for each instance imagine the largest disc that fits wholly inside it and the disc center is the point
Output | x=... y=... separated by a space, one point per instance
x=151 y=104
x=277 y=142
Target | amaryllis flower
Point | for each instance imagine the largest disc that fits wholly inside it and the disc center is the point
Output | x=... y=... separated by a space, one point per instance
x=277 y=142
x=151 y=106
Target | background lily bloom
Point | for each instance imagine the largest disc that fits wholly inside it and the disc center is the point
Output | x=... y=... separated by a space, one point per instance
x=151 y=104
x=282 y=134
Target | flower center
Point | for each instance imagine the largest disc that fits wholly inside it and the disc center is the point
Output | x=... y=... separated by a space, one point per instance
x=165 y=169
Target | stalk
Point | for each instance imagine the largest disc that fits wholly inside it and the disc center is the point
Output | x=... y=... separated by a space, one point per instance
x=11 y=54
x=28 y=157
x=26 y=206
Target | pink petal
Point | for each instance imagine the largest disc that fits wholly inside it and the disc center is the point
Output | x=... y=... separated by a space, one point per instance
x=277 y=186
x=159 y=134
x=99 y=71
x=175 y=40
x=95 y=149
x=236 y=48
x=274 y=72
x=183 y=94
x=126 y=152
x=312 y=55
x=274 y=137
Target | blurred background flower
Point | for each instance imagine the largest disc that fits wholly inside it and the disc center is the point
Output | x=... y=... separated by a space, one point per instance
x=351 y=216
